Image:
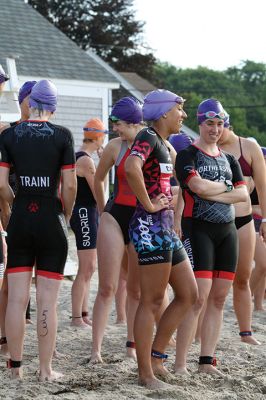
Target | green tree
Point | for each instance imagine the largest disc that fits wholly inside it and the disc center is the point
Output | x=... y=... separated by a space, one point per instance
x=241 y=90
x=107 y=26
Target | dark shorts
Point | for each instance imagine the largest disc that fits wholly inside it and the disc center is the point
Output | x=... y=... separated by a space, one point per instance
x=37 y=235
x=154 y=238
x=212 y=248
x=122 y=214
x=242 y=221
x=84 y=223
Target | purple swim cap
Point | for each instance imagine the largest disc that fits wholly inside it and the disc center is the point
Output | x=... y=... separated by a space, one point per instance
x=180 y=141
x=25 y=90
x=43 y=96
x=3 y=76
x=263 y=149
x=159 y=102
x=226 y=120
x=210 y=108
x=126 y=109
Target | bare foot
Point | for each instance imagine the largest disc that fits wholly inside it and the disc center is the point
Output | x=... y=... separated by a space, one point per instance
x=210 y=369
x=250 y=340
x=79 y=324
x=181 y=371
x=58 y=355
x=53 y=376
x=87 y=321
x=131 y=353
x=172 y=342
x=121 y=321
x=17 y=373
x=158 y=368
x=29 y=321
x=154 y=383
x=96 y=359
x=197 y=340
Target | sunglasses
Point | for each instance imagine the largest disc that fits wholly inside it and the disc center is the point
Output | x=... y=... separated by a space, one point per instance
x=212 y=114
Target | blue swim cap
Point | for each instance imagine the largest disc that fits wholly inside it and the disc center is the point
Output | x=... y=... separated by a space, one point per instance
x=127 y=109
x=210 y=108
x=44 y=95
x=180 y=141
x=25 y=90
x=159 y=102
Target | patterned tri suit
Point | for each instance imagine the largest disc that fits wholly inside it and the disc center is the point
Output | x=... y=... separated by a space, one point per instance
x=209 y=232
x=37 y=233
x=152 y=233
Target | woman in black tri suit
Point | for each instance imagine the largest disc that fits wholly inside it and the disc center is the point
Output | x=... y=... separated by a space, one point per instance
x=37 y=227
x=211 y=182
x=84 y=220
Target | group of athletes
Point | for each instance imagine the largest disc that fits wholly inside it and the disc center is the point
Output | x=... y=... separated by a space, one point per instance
x=196 y=234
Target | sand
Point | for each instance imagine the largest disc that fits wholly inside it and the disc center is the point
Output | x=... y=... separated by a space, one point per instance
x=244 y=365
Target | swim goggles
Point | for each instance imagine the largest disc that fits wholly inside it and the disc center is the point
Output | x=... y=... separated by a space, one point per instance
x=212 y=114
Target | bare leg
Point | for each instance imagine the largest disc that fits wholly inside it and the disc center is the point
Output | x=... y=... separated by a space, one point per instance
x=212 y=322
x=198 y=330
x=187 y=328
x=18 y=298
x=133 y=296
x=85 y=307
x=257 y=280
x=241 y=289
x=3 y=306
x=110 y=250
x=121 y=293
x=47 y=295
x=87 y=266
x=153 y=286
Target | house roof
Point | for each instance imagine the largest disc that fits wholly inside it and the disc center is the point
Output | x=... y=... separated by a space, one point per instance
x=43 y=50
x=139 y=83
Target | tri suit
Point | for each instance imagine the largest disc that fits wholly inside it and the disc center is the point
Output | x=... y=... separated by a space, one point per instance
x=122 y=203
x=84 y=219
x=153 y=234
x=209 y=232
x=37 y=232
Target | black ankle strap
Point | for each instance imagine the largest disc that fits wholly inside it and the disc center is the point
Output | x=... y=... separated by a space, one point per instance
x=3 y=340
x=85 y=314
x=205 y=360
x=13 y=364
x=130 y=344
x=245 y=333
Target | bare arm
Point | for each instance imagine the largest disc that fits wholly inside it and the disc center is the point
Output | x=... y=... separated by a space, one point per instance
x=237 y=195
x=259 y=176
x=68 y=190
x=6 y=196
x=133 y=170
x=106 y=162
x=204 y=187
x=178 y=213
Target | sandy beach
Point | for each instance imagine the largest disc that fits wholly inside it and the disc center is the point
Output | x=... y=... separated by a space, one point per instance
x=244 y=365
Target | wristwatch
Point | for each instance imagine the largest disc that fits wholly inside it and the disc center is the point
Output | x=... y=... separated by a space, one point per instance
x=229 y=185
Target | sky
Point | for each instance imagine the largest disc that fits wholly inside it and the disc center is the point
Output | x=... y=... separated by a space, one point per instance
x=216 y=35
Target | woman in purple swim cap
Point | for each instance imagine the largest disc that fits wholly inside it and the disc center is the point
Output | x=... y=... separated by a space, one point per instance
x=113 y=247
x=43 y=157
x=162 y=257
x=252 y=162
x=211 y=181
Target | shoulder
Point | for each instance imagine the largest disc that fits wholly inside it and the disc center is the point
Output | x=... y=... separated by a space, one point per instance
x=113 y=145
